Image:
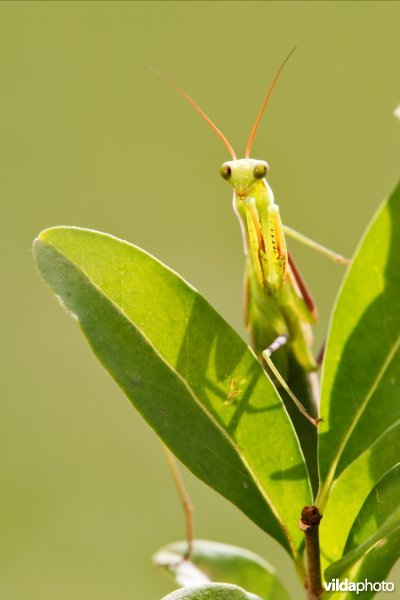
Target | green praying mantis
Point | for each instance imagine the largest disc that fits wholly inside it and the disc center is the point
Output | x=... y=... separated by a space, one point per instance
x=279 y=309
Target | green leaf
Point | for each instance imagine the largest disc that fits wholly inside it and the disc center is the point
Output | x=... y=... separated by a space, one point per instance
x=376 y=565
x=377 y=521
x=212 y=561
x=211 y=591
x=186 y=371
x=361 y=383
x=351 y=489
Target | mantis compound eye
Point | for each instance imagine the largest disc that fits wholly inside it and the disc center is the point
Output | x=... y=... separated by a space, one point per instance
x=225 y=171
x=260 y=170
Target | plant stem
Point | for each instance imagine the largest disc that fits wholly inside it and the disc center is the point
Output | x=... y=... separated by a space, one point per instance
x=309 y=523
x=185 y=499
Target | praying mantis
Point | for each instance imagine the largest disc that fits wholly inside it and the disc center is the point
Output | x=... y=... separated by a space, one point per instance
x=279 y=309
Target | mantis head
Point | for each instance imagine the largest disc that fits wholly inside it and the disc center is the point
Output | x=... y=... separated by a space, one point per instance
x=243 y=173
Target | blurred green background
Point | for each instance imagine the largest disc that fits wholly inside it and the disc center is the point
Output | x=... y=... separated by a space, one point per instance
x=90 y=136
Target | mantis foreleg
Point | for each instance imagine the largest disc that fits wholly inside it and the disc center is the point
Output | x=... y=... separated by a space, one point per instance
x=266 y=243
x=256 y=242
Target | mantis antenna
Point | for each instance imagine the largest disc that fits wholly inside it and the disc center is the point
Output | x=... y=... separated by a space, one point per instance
x=264 y=104
x=186 y=96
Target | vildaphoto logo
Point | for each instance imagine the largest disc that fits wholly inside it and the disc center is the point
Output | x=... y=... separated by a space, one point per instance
x=335 y=585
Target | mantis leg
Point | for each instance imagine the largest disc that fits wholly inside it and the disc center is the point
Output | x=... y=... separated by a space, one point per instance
x=275 y=245
x=276 y=344
x=338 y=258
x=185 y=499
x=256 y=242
